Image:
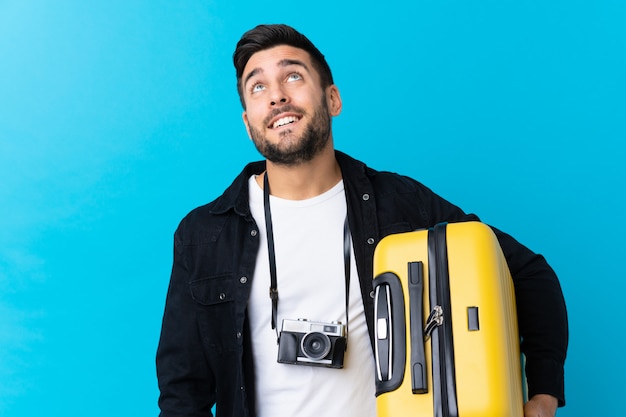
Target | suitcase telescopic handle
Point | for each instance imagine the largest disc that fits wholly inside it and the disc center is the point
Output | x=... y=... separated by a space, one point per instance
x=389 y=332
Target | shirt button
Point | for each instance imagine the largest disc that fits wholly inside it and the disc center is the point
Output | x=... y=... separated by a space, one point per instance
x=253 y=233
x=222 y=296
x=366 y=197
x=238 y=335
x=370 y=241
x=243 y=280
x=372 y=294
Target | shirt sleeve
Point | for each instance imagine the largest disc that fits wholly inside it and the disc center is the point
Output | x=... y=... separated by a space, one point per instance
x=186 y=382
x=542 y=318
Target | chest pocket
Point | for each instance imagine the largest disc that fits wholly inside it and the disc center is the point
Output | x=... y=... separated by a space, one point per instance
x=215 y=311
x=213 y=290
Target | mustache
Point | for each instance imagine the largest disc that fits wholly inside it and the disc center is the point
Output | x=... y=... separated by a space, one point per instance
x=284 y=109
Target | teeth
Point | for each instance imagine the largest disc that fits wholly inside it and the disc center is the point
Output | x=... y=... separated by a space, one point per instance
x=284 y=121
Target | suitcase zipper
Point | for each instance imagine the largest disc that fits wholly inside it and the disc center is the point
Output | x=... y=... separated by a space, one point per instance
x=434 y=320
x=444 y=384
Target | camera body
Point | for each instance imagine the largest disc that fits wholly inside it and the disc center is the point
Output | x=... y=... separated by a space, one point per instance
x=304 y=342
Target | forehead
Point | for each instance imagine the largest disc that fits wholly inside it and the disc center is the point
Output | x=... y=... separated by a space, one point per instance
x=273 y=58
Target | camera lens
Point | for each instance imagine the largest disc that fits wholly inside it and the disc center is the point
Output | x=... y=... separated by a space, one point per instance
x=315 y=345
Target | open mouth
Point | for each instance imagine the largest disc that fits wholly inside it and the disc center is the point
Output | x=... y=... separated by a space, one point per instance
x=284 y=121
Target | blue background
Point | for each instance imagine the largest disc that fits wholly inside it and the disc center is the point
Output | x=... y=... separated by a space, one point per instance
x=117 y=117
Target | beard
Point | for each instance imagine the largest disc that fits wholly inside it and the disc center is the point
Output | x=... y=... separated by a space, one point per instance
x=292 y=150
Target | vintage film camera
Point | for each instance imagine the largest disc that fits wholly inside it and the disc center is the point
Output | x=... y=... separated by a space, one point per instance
x=304 y=342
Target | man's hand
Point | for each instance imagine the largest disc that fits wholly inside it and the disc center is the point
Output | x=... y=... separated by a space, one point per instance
x=541 y=405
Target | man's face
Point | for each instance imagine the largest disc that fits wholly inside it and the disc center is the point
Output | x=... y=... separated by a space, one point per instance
x=287 y=112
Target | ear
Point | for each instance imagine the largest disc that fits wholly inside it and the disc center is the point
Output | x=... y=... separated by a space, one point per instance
x=244 y=116
x=334 y=100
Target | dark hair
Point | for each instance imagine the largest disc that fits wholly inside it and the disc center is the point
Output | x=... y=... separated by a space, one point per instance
x=267 y=36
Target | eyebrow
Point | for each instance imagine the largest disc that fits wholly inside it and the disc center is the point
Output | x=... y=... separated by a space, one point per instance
x=282 y=63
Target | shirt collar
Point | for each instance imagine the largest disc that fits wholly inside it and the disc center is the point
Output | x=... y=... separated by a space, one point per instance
x=235 y=197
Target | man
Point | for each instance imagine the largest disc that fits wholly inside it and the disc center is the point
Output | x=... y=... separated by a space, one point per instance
x=283 y=222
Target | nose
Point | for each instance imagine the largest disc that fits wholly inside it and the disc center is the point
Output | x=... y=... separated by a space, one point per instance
x=278 y=96
x=282 y=100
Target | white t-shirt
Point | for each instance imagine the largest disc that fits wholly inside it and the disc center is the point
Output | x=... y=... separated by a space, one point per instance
x=308 y=239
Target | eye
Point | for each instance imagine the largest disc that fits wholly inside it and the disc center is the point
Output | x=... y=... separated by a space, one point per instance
x=294 y=76
x=257 y=87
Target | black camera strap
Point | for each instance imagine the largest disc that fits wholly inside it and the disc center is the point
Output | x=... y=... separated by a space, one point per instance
x=272 y=256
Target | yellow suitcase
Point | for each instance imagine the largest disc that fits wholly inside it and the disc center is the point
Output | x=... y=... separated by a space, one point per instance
x=446 y=336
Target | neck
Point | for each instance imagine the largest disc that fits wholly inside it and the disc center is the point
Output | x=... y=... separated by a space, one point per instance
x=305 y=180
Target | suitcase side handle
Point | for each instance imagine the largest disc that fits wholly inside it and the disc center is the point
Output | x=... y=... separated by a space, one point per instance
x=419 y=382
x=389 y=332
